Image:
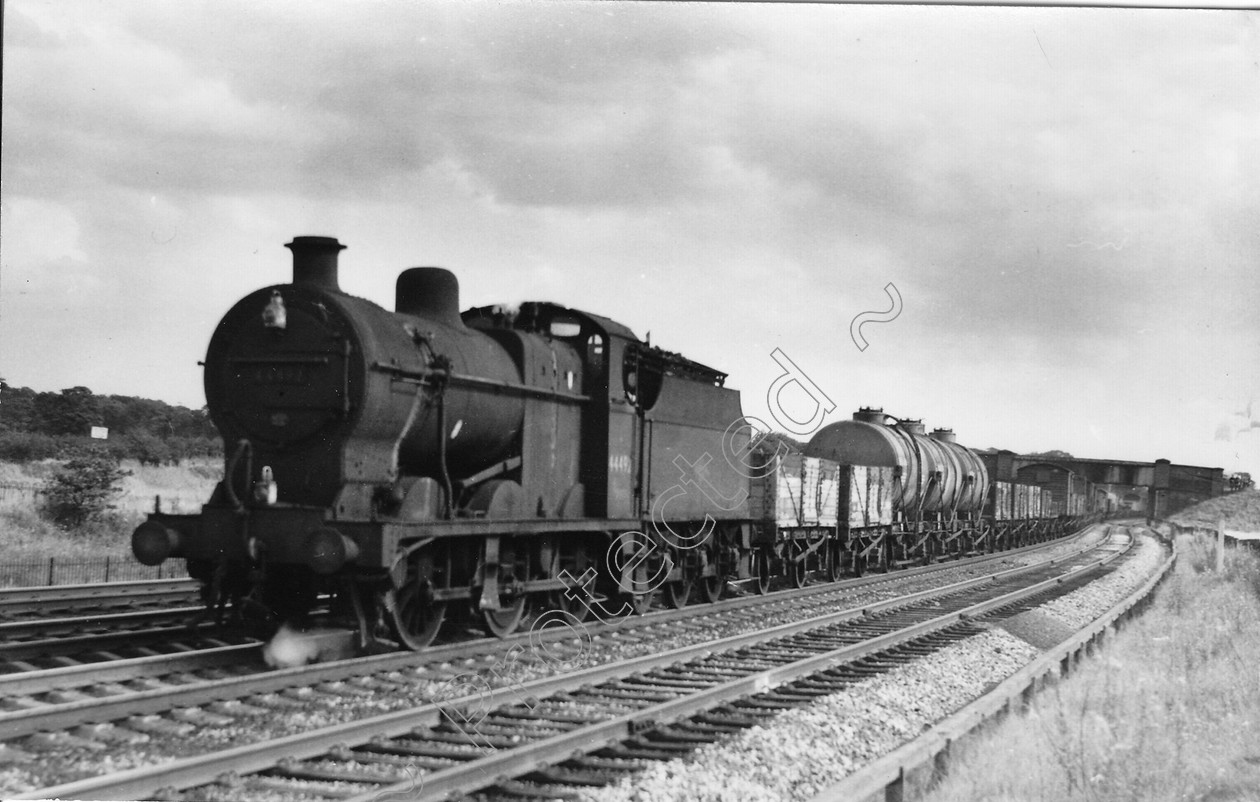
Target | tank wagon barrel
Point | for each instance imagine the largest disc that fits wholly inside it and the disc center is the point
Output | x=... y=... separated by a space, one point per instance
x=932 y=473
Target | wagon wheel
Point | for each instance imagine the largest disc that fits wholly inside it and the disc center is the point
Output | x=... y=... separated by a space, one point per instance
x=677 y=593
x=504 y=622
x=797 y=573
x=415 y=616
x=831 y=557
x=762 y=568
x=711 y=588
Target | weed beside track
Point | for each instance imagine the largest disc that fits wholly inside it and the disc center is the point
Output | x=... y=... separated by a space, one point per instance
x=1169 y=710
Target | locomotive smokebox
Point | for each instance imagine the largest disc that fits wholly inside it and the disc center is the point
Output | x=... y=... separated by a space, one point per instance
x=315 y=261
x=429 y=292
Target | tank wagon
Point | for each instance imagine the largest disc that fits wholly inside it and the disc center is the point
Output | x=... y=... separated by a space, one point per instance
x=878 y=492
x=409 y=466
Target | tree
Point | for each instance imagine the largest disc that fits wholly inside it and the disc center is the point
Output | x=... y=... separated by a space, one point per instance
x=44 y=425
x=83 y=489
x=1052 y=454
x=17 y=408
x=72 y=412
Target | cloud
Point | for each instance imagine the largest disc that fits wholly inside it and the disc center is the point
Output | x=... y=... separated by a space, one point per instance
x=1059 y=194
x=575 y=106
x=39 y=232
x=126 y=112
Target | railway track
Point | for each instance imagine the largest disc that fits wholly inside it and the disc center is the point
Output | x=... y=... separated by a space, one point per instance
x=656 y=687
x=27 y=646
x=192 y=670
x=98 y=635
x=23 y=603
x=83 y=623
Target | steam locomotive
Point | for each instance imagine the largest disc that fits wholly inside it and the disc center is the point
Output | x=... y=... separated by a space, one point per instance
x=410 y=466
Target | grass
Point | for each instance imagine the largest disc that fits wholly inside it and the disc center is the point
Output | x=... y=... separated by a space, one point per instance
x=1240 y=510
x=1168 y=710
x=27 y=536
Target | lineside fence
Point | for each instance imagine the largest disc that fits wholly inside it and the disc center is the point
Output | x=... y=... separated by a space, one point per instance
x=1221 y=537
x=85 y=570
x=20 y=494
x=910 y=771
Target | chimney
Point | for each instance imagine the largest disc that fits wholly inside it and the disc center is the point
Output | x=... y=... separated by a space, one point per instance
x=315 y=261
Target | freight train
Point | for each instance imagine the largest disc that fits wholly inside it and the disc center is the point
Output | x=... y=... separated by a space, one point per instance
x=410 y=467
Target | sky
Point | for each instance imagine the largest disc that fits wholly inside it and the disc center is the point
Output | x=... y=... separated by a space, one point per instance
x=1063 y=199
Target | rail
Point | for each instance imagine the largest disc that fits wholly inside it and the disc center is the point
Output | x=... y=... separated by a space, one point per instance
x=44 y=598
x=916 y=764
x=106 y=708
x=187 y=772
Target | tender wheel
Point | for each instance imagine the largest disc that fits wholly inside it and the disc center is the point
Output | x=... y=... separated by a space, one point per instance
x=640 y=603
x=645 y=574
x=711 y=588
x=502 y=623
x=575 y=609
x=762 y=565
x=677 y=593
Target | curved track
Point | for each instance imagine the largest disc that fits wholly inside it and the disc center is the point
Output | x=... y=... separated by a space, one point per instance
x=867 y=629
x=198 y=669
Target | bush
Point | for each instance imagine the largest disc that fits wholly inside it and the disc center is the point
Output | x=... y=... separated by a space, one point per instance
x=195 y=447
x=147 y=449
x=25 y=447
x=83 y=489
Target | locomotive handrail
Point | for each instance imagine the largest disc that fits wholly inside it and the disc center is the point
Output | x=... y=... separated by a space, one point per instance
x=441 y=365
x=278 y=360
x=426 y=377
x=229 y=475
